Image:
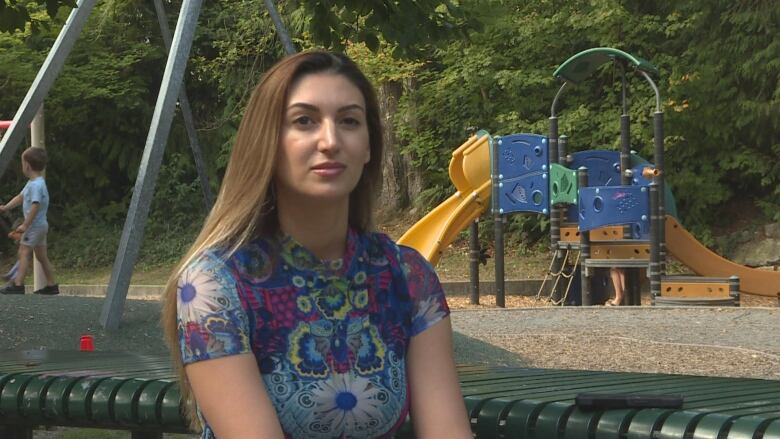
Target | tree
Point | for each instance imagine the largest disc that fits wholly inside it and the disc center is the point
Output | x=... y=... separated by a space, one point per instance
x=718 y=79
x=401 y=181
x=15 y=15
x=408 y=26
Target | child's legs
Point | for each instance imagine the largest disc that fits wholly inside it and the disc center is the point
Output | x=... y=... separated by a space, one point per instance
x=12 y=272
x=618 y=283
x=25 y=253
x=41 y=254
x=34 y=238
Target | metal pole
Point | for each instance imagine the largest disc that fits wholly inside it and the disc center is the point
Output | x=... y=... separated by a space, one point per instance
x=734 y=289
x=587 y=296
x=563 y=143
x=633 y=291
x=555 y=212
x=625 y=137
x=498 y=225
x=555 y=215
x=38 y=139
x=474 y=262
x=133 y=232
x=289 y=48
x=38 y=129
x=43 y=81
x=654 y=272
x=186 y=112
x=658 y=137
x=499 y=231
x=631 y=275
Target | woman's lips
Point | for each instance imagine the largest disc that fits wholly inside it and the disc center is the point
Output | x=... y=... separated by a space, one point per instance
x=330 y=169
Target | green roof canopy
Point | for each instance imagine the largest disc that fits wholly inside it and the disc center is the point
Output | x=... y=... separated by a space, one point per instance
x=583 y=64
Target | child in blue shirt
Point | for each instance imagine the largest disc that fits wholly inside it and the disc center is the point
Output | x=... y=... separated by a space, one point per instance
x=34 y=199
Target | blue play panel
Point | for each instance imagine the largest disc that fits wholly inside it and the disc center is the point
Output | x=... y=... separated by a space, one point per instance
x=603 y=170
x=614 y=206
x=523 y=173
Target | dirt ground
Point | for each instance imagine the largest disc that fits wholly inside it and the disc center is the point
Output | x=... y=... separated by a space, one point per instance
x=488 y=301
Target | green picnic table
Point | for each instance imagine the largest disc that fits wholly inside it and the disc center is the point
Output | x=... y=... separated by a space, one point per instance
x=139 y=393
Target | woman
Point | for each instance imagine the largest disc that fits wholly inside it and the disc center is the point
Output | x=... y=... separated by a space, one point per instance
x=291 y=318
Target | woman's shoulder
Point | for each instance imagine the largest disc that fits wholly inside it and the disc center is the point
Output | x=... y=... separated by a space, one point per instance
x=256 y=259
x=210 y=260
x=399 y=254
x=250 y=258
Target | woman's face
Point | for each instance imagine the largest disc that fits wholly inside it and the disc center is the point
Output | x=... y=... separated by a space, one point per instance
x=324 y=141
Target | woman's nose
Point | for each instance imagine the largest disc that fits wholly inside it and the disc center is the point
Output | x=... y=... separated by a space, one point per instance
x=328 y=136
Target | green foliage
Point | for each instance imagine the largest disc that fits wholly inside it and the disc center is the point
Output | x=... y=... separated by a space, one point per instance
x=16 y=14
x=408 y=26
x=719 y=82
x=177 y=212
x=234 y=46
x=726 y=98
x=379 y=65
x=176 y=215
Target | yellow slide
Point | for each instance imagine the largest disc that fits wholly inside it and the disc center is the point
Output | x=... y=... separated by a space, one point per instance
x=693 y=254
x=470 y=172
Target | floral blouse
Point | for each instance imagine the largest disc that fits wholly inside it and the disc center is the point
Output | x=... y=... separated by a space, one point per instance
x=330 y=337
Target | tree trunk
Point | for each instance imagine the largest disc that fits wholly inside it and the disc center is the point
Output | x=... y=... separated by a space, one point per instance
x=412 y=175
x=401 y=181
x=393 y=196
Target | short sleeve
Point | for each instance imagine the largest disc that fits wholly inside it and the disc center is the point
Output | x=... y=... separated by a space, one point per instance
x=36 y=193
x=429 y=305
x=212 y=323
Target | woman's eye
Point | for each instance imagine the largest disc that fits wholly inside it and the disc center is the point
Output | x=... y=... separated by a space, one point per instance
x=351 y=121
x=302 y=120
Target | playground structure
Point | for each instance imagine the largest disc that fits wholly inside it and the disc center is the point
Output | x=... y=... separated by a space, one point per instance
x=607 y=209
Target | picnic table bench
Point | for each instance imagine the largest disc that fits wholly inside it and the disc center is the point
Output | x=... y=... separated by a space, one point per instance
x=139 y=393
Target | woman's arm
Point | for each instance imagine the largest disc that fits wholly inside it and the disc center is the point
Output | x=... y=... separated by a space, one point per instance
x=437 y=406
x=214 y=343
x=233 y=399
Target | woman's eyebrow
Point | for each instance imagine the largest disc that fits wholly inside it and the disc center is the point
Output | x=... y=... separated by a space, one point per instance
x=351 y=107
x=304 y=106
x=311 y=107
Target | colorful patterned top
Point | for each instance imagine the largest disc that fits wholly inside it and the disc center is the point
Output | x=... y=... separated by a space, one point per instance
x=330 y=337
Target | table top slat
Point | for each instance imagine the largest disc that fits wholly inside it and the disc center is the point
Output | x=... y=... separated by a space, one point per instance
x=138 y=391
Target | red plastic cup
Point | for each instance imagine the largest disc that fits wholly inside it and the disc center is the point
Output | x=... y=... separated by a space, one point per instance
x=87 y=343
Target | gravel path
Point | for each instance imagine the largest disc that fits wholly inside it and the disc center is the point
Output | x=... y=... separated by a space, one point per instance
x=742 y=342
x=58 y=322
x=737 y=342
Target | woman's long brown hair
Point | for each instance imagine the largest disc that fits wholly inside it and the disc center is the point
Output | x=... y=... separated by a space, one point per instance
x=244 y=208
